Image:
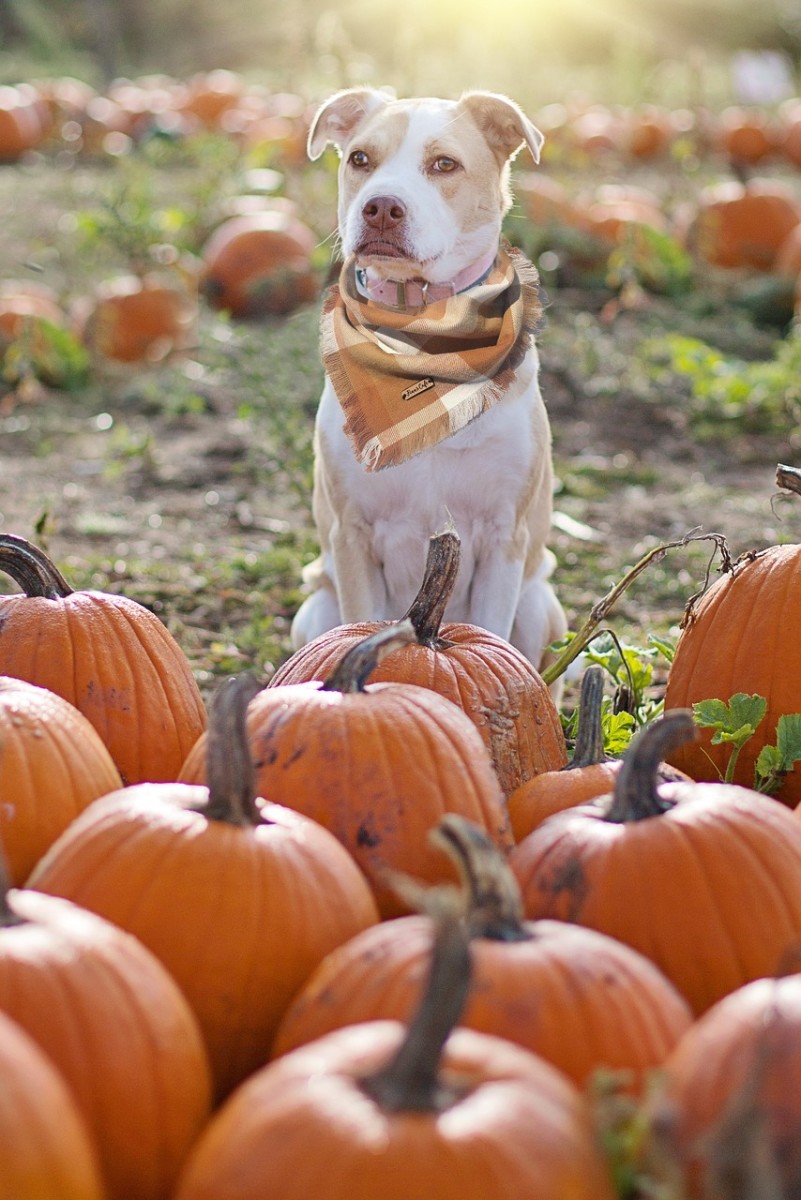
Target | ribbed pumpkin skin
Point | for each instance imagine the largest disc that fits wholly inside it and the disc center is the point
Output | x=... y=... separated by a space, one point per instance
x=484 y=675
x=301 y=1127
x=577 y=998
x=45 y=1148
x=120 y=1032
x=709 y=890
x=239 y=916
x=115 y=661
x=741 y=637
x=52 y=765
x=745 y=1053
x=377 y=768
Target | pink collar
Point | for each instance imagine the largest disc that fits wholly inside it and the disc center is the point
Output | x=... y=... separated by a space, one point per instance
x=417 y=293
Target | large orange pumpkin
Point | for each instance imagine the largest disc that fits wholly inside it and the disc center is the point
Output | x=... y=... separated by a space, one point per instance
x=138 y=319
x=238 y=898
x=496 y=686
x=45 y=1148
x=729 y=1095
x=116 y=1026
x=579 y=999
x=741 y=225
x=739 y=637
x=52 y=765
x=703 y=878
x=259 y=264
x=109 y=656
x=376 y=763
x=376 y=1112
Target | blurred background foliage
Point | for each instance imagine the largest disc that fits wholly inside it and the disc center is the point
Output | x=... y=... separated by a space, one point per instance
x=656 y=50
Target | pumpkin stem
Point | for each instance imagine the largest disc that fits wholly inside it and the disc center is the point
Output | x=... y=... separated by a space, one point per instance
x=31 y=568
x=428 y=607
x=7 y=915
x=494 y=903
x=354 y=669
x=589 y=748
x=636 y=794
x=229 y=764
x=410 y=1081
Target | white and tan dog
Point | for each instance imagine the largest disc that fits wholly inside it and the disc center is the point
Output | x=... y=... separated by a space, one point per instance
x=423 y=188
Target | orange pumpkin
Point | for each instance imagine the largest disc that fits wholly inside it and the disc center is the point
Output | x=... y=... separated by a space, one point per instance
x=52 y=765
x=23 y=308
x=116 y=1026
x=545 y=201
x=665 y=867
x=729 y=1095
x=21 y=125
x=209 y=95
x=376 y=763
x=745 y=135
x=109 y=656
x=647 y=132
x=45 y=1147
x=736 y=638
x=494 y=684
x=579 y=999
x=259 y=264
x=741 y=225
x=589 y=773
x=136 y=319
x=238 y=898
x=382 y=1113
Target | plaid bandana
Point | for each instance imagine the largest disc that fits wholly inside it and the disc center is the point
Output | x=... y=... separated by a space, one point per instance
x=408 y=379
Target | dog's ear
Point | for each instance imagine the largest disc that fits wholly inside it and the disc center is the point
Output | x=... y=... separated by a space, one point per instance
x=341 y=115
x=503 y=123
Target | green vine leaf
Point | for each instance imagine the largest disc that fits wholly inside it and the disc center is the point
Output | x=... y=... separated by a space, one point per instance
x=774 y=762
x=734 y=723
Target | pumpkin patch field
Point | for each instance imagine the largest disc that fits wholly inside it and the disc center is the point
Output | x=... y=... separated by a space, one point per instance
x=388 y=917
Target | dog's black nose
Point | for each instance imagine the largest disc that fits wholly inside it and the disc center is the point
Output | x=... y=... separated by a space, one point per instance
x=383 y=212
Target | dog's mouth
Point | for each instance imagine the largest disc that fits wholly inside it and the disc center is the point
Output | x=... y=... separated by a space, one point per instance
x=381 y=248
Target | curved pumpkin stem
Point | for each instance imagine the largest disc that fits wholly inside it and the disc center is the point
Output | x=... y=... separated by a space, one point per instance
x=589 y=748
x=410 y=1081
x=494 y=903
x=31 y=568
x=352 y=672
x=229 y=764
x=428 y=607
x=636 y=795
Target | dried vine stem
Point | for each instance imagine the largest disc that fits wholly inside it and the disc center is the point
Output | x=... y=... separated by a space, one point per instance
x=789 y=478
x=600 y=611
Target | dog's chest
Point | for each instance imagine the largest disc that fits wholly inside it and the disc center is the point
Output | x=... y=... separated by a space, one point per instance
x=474 y=481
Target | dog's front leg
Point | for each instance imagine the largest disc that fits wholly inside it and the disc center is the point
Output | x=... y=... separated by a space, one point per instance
x=360 y=584
x=495 y=590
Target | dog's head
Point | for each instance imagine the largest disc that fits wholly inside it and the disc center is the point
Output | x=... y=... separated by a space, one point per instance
x=423 y=184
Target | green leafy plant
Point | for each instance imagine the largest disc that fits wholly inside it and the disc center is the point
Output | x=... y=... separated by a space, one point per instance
x=737 y=721
x=47 y=353
x=729 y=395
x=651 y=258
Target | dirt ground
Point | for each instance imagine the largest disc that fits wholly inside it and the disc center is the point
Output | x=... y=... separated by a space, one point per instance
x=188 y=487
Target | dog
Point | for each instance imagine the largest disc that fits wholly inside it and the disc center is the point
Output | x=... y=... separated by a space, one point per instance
x=423 y=189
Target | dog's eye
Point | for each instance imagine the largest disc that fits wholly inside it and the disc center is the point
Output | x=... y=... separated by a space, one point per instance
x=444 y=165
x=358 y=159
